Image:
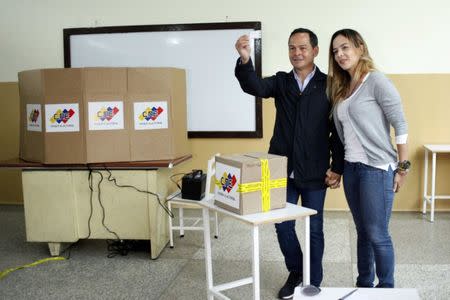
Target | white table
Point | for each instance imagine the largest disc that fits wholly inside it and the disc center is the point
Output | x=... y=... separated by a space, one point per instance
x=360 y=294
x=434 y=149
x=290 y=212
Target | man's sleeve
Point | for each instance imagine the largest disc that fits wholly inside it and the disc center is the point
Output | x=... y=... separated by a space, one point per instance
x=251 y=83
x=337 y=150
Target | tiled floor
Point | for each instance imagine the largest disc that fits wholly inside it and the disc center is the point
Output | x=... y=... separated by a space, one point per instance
x=422 y=256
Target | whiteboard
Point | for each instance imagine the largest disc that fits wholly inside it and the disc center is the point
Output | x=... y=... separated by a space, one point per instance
x=216 y=105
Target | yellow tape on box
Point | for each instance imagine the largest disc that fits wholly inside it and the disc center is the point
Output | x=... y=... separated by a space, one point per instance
x=265 y=185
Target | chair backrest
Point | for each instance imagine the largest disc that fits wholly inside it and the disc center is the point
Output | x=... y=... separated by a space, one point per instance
x=211 y=172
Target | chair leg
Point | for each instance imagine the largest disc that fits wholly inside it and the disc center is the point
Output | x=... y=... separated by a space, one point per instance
x=170 y=226
x=181 y=222
x=217 y=225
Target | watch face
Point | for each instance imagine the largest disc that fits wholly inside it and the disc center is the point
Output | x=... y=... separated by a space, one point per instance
x=405 y=165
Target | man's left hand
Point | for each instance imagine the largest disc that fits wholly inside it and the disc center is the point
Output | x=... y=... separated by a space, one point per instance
x=333 y=180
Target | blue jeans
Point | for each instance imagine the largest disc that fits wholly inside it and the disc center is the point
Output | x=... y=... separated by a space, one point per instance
x=287 y=237
x=370 y=196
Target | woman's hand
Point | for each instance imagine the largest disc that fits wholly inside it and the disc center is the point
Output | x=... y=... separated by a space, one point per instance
x=333 y=180
x=399 y=180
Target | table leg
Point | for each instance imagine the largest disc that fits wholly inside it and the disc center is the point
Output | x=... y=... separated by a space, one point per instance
x=255 y=263
x=306 y=254
x=425 y=183
x=55 y=248
x=208 y=258
x=433 y=185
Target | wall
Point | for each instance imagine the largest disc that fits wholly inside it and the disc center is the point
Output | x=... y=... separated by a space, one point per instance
x=405 y=41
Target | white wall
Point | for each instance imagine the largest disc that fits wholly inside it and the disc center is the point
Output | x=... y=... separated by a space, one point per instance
x=403 y=37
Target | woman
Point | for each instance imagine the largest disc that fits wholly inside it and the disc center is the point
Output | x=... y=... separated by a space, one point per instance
x=365 y=105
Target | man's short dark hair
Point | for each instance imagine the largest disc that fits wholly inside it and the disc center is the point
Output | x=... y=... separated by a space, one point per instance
x=312 y=36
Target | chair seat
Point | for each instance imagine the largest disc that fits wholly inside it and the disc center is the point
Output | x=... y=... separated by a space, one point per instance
x=176 y=203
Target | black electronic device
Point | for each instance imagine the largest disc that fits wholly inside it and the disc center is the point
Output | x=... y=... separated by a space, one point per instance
x=193 y=185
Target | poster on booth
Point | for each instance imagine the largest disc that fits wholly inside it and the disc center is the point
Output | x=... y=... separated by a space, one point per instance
x=64 y=117
x=34 y=117
x=226 y=187
x=150 y=115
x=106 y=115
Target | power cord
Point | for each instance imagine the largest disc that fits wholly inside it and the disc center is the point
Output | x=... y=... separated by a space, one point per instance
x=178 y=181
x=117 y=246
x=91 y=188
x=123 y=247
x=101 y=204
x=114 y=180
x=71 y=246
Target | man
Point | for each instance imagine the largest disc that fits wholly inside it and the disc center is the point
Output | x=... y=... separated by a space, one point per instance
x=302 y=133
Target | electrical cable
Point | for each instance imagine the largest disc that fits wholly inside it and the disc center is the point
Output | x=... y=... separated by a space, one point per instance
x=71 y=246
x=178 y=181
x=123 y=247
x=91 y=188
x=175 y=195
x=117 y=246
x=114 y=180
x=101 y=205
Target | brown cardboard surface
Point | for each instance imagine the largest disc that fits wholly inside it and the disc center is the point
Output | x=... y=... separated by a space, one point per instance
x=30 y=91
x=152 y=144
x=154 y=85
x=51 y=86
x=234 y=161
x=102 y=85
x=179 y=108
x=250 y=167
x=105 y=144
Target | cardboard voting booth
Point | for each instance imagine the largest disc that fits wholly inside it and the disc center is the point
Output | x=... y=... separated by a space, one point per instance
x=94 y=115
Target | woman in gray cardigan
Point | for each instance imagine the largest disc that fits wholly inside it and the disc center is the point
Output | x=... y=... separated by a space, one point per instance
x=365 y=105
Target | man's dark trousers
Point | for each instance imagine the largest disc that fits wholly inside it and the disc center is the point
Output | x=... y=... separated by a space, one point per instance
x=287 y=237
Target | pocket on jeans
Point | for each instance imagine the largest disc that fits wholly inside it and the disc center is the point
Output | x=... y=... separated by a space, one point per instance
x=388 y=179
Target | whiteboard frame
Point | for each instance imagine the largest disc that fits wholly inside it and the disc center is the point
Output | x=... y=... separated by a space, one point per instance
x=257 y=133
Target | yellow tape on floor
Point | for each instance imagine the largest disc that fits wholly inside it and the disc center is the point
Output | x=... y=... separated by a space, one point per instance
x=38 y=262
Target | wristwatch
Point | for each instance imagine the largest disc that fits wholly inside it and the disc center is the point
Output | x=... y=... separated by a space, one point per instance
x=404 y=166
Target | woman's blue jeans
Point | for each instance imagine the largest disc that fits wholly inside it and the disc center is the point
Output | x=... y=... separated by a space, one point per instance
x=369 y=193
x=287 y=237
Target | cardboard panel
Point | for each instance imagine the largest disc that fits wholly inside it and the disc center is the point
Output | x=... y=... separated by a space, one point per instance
x=58 y=88
x=62 y=116
x=158 y=98
x=104 y=97
x=30 y=91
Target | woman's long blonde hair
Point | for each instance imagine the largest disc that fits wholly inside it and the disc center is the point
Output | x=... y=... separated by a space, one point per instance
x=338 y=82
